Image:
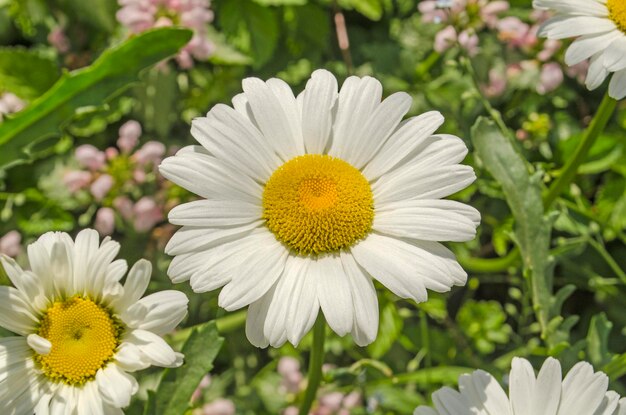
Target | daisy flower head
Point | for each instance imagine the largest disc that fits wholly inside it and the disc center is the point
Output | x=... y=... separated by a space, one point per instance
x=600 y=28
x=79 y=331
x=308 y=198
x=581 y=392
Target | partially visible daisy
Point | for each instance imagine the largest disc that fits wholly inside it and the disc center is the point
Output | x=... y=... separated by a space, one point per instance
x=79 y=331
x=582 y=392
x=309 y=198
x=600 y=26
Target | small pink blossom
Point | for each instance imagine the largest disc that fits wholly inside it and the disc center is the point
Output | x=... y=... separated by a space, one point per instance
x=489 y=12
x=129 y=132
x=219 y=406
x=75 y=180
x=105 y=221
x=515 y=32
x=445 y=39
x=469 y=41
x=58 y=40
x=124 y=207
x=90 y=157
x=146 y=214
x=332 y=401
x=111 y=153
x=497 y=83
x=10 y=104
x=551 y=78
x=550 y=48
x=151 y=152
x=10 y=244
x=101 y=186
x=291 y=410
x=204 y=383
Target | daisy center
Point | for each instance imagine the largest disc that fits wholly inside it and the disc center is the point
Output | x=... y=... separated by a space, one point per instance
x=617 y=13
x=317 y=203
x=84 y=337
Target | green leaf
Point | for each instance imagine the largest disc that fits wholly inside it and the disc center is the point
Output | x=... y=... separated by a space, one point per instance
x=281 y=2
x=372 y=9
x=174 y=394
x=225 y=54
x=250 y=27
x=117 y=68
x=597 y=340
x=523 y=195
x=17 y=74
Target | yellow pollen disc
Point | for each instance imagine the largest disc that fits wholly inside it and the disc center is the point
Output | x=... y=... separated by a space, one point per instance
x=84 y=338
x=617 y=13
x=316 y=204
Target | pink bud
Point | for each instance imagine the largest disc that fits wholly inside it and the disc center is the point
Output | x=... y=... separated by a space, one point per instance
x=151 y=152
x=111 y=153
x=10 y=244
x=58 y=40
x=129 y=132
x=332 y=400
x=444 y=39
x=101 y=186
x=147 y=214
x=287 y=365
x=90 y=157
x=124 y=207
x=105 y=221
x=75 y=180
x=219 y=406
x=291 y=410
x=352 y=400
x=469 y=42
x=550 y=79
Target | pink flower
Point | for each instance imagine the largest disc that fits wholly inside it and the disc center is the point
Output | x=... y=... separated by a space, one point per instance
x=204 y=383
x=550 y=79
x=111 y=153
x=141 y=15
x=101 y=186
x=445 y=39
x=431 y=13
x=515 y=32
x=151 y=152
x=75 y=180
x=469 y=41
x=219 y=406
x=489 y=13
x=331 y=401
x=550 y=47
x=105 y=221
x=58 y=40
x=129 y=132
x=10 y=104
x=291 y=410
x=124 y=207
x=10 y=244
x=497 y=83
x=146 y=214
x=352 y=400
x=90 y=157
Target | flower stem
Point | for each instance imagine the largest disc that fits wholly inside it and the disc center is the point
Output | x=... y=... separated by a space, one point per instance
x=589 y=138
x=315 y=365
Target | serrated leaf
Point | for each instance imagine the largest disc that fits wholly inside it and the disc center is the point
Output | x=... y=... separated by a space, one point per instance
x=116 y=69
x=18 y=76
x=173 y=396
x=523 y=195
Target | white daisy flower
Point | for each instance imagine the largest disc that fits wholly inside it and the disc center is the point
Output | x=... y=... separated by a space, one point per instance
x=582 y=392
x=600 y=26
x=308 y=198
x=79 y=330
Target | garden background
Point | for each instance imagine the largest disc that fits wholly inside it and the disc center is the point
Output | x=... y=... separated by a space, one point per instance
x=91 y=101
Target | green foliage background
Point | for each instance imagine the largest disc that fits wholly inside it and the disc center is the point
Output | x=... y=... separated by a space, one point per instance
x=544 y=279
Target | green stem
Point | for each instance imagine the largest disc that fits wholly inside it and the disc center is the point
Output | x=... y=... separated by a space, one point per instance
x=609 y=259
x=596 y=127
x=489 y=265
x=315 y=365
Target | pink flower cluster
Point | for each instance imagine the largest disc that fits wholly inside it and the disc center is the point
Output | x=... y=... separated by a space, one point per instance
x=141 y=15
x=113 y=176
x=331 y=403
x=11 y=244
x=9 y=104
x=464 y=18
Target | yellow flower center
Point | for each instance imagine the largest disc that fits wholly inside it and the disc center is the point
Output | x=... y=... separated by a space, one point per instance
x=316 y=204
x=84 y=337
x=617 y=13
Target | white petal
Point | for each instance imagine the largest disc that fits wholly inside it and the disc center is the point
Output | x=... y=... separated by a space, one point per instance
x=548 y=388
x=583 y=390
x=450 y=402
x=597 y=72
x=333 y=293
x=255 y=320
x=135 y=285
x=617 y=87
x=402 y=142
x=586 y=46
x=358 y=99
x=318 y=101
x=130 y=358
x=615 y=54
x=275 y=112
x=215 y=213
x=39 y=344
x=561 y=27
x=484 y=392
x=159 y=313
x=188 y=239
x=116 y=386
x=364 y=301
x=609 y=404
x=255 y=275
x=576 y=7
x=428 y=220
x=374 y=133
x=210 y=177
x=154 y=348
x=16 y=314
